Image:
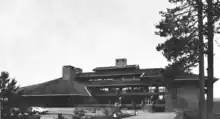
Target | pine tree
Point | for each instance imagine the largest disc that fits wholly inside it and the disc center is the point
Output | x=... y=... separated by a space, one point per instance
x=179 y=26
x=182 y=47
x=7 y=85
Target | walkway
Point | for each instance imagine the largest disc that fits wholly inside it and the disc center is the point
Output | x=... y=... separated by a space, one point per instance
x=146 y=115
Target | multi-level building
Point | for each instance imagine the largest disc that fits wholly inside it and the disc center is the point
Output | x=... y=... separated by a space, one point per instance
x=104 y=84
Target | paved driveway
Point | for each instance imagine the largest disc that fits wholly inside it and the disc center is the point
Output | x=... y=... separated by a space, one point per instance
x=141 y=114
x=145 y=115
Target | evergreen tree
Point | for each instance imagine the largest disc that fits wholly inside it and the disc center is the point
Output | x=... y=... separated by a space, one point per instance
x=182 y=47
x=7 y=85
x=179 y=27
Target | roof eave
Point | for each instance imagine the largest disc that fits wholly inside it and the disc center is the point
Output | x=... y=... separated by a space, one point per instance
x=29 y=95
x=110 y=75
x=192 y=78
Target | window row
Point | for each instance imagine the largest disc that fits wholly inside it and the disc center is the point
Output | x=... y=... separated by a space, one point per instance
x=133 y=89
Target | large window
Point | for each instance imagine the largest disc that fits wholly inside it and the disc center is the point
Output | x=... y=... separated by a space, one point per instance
x=152 y=89
x=161 y=97
x=162 y=89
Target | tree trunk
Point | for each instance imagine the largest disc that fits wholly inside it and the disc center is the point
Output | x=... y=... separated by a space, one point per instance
x=1 y=109
x=201 y=62
x=210 y=61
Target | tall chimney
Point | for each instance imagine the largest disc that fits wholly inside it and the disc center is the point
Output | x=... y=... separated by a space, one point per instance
x=69 y=72
x=121 y=62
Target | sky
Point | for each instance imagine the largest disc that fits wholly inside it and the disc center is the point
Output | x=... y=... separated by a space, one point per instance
x=38 y=37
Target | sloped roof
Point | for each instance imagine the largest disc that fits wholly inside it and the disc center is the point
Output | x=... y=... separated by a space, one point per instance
x=115 y=67
x=55 y=87
x=147 y=72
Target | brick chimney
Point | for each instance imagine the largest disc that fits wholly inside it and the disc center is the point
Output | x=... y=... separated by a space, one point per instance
x=69 y=72
x=121 y=62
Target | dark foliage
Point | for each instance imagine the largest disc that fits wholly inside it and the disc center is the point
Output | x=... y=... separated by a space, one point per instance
x=7 y=85
x=22 y=117
x=179 y=26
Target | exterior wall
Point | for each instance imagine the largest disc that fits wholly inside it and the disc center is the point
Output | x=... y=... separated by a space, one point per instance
x=169 y=101
x=188 y=97
x=182 y=97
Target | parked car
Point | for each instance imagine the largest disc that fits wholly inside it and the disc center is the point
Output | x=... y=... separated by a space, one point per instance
x=39 y=110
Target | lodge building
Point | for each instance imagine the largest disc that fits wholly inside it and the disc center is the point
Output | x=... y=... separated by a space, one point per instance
x=103 y=85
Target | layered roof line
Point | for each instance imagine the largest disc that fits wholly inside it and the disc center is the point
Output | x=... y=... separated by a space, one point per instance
x=71 y=81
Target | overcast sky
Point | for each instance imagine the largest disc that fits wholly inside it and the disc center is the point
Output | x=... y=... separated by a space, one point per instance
x=38 y=37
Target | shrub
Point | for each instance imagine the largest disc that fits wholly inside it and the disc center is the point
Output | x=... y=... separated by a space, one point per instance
x=93 y=110
x=76 y=117
x=33 y=117
x=110 y=111
x=191 y=114
x=79 y=111
x=105 y=111
x=89 y=117
x=22 y=117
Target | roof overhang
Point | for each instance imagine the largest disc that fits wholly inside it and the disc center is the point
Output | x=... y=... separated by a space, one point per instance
x=108 y=75
x=110 y=68
x=192 y=78
x=151 y=76
x=120 y=85
x=29 y=95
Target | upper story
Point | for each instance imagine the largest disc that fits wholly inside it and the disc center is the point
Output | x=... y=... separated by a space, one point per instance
x=120 y=73
x=123 y=74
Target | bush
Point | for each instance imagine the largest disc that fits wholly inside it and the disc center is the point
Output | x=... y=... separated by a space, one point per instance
x=76 y=117
x=33 y=117
x=79 y=111
x=108 y=111
x=89 y=117
x=22 y=117
x=93 y=110
x=191 y=114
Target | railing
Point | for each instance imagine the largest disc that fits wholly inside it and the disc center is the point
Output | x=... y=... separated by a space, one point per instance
x=126 y=93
